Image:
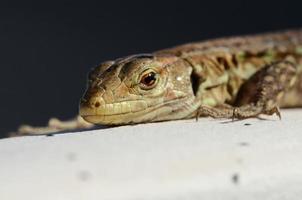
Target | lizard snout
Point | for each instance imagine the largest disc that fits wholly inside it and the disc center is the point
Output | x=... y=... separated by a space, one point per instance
x=92 y=99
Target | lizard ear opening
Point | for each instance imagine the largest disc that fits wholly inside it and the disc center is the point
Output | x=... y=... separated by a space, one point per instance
x=194 y=82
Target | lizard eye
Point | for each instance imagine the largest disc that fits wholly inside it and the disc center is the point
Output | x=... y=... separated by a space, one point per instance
x=148 y=79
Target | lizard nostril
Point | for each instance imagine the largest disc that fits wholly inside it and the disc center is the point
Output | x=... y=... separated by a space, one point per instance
x=97 y=104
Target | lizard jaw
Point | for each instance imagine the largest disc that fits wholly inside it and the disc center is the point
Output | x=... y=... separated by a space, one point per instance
x=112 y=113
x=129 y=112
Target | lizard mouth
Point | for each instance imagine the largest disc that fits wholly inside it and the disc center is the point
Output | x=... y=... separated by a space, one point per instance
x=127 y=112
x=116 y=113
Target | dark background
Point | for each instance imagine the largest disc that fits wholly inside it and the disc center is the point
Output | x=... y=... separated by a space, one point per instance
x=46 y=50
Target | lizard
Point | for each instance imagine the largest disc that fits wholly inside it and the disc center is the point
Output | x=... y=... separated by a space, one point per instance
x=233 y=77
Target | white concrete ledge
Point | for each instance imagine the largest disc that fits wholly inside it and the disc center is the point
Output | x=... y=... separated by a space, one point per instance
x=208 y=159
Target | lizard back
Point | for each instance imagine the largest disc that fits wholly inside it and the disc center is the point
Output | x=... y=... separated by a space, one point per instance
x=222 y=65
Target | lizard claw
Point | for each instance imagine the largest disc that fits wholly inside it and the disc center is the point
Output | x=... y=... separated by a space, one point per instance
x=197 y=115
x=275 y=110
x=235 y=114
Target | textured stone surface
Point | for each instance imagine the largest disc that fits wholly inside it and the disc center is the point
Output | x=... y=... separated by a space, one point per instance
x=208 y=159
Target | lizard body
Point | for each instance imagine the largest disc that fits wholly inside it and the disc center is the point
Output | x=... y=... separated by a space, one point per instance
x=236 y=77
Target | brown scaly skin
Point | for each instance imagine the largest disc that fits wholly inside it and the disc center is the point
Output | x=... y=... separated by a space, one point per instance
x=237 y=77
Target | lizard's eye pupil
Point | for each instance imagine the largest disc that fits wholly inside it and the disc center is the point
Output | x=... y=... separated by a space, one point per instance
x=148 y=80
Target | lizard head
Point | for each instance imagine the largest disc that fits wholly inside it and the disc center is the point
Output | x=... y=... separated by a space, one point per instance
x=136 y=89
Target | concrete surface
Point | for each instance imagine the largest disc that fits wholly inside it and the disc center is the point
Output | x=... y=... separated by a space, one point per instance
x=208 y=159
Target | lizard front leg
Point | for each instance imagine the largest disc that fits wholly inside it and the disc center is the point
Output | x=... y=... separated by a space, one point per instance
x=259 y=95
x=54 y=125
